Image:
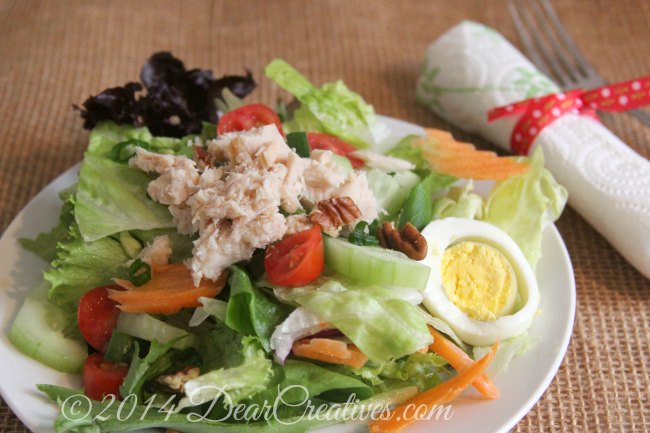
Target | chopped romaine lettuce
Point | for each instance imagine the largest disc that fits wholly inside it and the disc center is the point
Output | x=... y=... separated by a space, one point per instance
x=304 y=380
x=112 y=197
x=234 y=383
x=418 y=208
x=102 y=417
x=333 y=108
x=143 y=369
x=45 y=244
x=419 y=369
x=250 y=311
x=81 y=265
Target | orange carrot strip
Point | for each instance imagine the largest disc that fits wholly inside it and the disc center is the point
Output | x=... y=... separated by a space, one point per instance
x=461 y=361
x=444 y=393
x=479 y=175
x=448 y=156
x=438 y=133
x=170 y=289
x=331 y=351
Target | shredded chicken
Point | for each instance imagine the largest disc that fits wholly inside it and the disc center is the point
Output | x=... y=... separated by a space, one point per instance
x=298 y=223
x=237 y=205
x=184 y=220
x=178 y=178
x=326 y=180
x=157 y=253
x=322 y=173
x=266 y=143
x=293 y=184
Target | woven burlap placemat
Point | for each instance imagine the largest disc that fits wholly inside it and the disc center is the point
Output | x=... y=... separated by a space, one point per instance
x=55 y=53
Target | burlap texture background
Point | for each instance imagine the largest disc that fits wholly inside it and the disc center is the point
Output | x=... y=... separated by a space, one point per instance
x=55 y=53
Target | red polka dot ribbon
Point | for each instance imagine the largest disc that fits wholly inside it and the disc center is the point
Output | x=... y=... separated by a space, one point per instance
x=538 y=113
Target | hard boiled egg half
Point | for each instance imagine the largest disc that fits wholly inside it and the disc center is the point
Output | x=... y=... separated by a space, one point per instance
x=480 y=283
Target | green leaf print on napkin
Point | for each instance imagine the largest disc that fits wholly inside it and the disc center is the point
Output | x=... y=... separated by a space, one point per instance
x=533 y=83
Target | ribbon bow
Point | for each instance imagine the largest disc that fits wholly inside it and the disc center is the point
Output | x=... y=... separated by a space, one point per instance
x=538 y=113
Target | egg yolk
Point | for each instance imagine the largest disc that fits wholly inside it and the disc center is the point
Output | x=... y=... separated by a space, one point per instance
x=479 y=280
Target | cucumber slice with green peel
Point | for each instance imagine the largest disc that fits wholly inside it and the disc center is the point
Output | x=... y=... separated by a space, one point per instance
x=343 y=163
x=39 y=332
x=149 y=328
x=373 y=265
x=406 y=180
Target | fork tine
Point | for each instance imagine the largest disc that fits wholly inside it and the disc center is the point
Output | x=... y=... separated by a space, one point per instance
x=561 y=54
x=550 y=58
x=524 y=35
x=582 y=63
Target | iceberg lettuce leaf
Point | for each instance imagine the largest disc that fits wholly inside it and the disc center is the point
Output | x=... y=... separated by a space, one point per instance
x=460 y=202
x=82 y=265
x=234 y=383
x=46 y=243
x=332 y=108
x=112 y=198
x=382 y=326
x=525 y=204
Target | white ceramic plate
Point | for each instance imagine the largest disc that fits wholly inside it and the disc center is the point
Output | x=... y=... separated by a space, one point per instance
x=521 y=386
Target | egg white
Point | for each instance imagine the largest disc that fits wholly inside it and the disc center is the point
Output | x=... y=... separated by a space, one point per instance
x=443 y=233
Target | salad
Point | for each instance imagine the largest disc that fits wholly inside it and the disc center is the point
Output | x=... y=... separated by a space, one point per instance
x=226 y=266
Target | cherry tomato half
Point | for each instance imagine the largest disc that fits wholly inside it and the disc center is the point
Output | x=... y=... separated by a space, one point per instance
x=248 y=117
x=101 y=377
x=97 y=316
x=319 y=140
x=297 y=259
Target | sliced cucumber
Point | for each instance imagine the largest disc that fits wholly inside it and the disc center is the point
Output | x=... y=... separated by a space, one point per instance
x=406 y=180
x=38 y=332
x=149 y=328
x=374 y=265
x=343 y=162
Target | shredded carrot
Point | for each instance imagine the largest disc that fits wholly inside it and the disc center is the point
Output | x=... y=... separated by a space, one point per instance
x=170 y=289
x=461 y=361
x=448 y=156
x=444 y=393
x=330 y=351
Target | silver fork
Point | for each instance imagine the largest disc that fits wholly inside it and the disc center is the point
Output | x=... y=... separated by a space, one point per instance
x=553 y=51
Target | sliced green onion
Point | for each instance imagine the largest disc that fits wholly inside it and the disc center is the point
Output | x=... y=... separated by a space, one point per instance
x=358 y=236
x=125 y=150
x=139 y=272
x=298 y=142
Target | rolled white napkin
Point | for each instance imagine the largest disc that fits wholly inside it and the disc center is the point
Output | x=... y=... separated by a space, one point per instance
x=472 y=68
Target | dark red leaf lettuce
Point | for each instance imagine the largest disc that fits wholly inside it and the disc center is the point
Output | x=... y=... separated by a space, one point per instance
x=175 y=103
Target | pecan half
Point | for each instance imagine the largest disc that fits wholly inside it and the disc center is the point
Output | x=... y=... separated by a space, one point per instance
x=408 y=240
x=335 y=212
